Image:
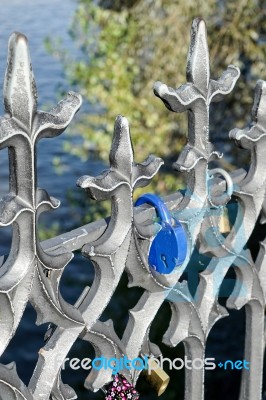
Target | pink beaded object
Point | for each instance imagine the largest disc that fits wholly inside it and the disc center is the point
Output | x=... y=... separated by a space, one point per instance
x=121 y=389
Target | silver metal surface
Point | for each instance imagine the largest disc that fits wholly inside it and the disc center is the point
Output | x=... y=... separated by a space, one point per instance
x=121 y=243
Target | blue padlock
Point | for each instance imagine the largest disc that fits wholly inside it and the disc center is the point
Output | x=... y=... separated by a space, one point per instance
x=169 y=247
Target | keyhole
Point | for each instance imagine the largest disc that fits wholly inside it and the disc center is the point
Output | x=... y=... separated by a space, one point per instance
x=163 y=258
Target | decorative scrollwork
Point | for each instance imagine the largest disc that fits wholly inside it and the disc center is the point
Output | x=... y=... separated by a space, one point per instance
x=22 y=276
x=33 y=274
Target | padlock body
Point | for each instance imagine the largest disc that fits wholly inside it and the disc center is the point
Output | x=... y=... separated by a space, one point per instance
x=168 y=248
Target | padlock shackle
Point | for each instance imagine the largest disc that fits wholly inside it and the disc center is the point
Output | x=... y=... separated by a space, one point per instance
x=155 y=201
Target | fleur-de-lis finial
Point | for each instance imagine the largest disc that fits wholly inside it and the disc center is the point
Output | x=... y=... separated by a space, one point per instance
x=20 y=129
x=123 y=170
x=250 y=136
x=196 y=96
x=109 y=253
x=254 y=138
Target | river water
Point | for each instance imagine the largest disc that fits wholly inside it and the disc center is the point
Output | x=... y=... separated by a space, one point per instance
x=38 y=19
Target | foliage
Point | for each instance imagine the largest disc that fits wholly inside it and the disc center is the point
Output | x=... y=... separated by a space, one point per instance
x=130 y=44
x=127 y=45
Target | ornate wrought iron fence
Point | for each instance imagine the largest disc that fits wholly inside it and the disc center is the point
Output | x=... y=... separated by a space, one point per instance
x=33 y=270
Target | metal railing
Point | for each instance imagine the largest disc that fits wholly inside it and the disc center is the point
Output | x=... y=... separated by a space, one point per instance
x=33 y=270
